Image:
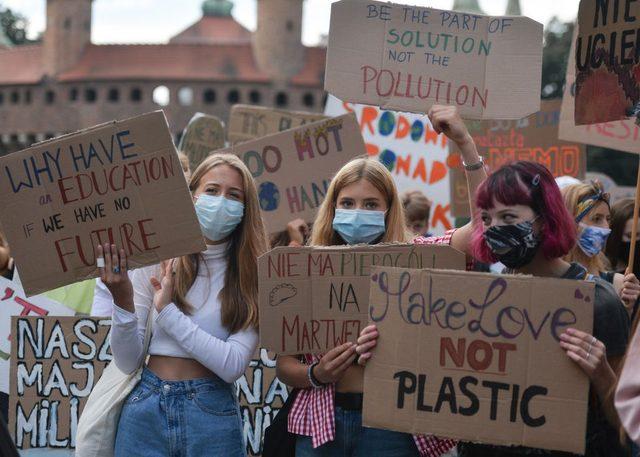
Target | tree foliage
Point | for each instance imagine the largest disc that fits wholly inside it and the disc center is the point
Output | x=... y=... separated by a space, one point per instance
x=557 y=44
x=14 y=26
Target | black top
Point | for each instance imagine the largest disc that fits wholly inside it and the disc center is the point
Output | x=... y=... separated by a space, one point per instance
x=611 y=326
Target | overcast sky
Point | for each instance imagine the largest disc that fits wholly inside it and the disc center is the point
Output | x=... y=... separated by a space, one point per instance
x=155 y=21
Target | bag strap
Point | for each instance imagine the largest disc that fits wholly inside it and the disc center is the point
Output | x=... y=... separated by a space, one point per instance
x=147 y=334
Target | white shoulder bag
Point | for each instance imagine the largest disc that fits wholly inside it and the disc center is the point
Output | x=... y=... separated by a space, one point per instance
x=96 y=435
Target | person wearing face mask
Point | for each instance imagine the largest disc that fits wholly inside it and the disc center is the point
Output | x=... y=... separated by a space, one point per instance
x=527 y=227
x=589 y=205
x=619 y=242
x=205 y=318
x=362 y=206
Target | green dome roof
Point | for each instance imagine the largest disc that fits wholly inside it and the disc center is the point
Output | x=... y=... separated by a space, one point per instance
x=220 y=8
x=467 y=6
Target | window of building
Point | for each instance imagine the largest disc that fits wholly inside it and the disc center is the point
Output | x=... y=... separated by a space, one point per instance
x=136 y=94
x=73 y=94
x=113 y=95
x=185 y=96
x=90 y=95
x=27 y=96
x=308 y=100
x=282 y=99
x=15 y=97
x=49 y=97
x=1 y=98
x=233 y=96
x=161 y=95
x=255 y=96
x=67 y=23
x=209 y=96
x=289 y=25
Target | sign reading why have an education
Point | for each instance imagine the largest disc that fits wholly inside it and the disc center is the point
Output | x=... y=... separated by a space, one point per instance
x=476 y=357
x=118 y=183
x=606 y=61
x=293 y=169
x=203 y=134
x=534 y=139
x=623 y=134
x=312 y=299
x=407 y=58
x=55 y=362
x=248 y=122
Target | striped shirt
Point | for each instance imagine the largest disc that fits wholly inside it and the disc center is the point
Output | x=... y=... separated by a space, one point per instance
x=313 y=412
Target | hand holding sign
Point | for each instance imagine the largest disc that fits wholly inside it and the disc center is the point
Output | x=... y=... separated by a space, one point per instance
x=334 y=363
x=447 y=120
x=367 y=341
x=114 y=275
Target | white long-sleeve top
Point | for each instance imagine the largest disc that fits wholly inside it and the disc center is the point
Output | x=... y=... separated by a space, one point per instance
x=200 y=335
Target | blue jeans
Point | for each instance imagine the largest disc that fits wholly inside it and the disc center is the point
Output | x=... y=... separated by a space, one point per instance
x=354 y=440
x=194 y=418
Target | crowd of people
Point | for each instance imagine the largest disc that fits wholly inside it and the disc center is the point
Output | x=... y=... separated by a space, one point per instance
x=204 y=307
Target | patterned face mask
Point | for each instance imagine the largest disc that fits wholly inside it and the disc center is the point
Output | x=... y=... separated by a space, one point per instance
x=593 y=239
x=513 y=245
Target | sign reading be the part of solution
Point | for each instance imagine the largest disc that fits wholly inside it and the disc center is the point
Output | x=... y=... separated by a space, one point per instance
x=315 y=298
x=118 y=183
x=407 y=58
x=293 y=168
x=477 y=357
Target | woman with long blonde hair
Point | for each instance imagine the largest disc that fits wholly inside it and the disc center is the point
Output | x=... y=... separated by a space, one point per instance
x=204 y=324
x=362 y=205
x=590 y=208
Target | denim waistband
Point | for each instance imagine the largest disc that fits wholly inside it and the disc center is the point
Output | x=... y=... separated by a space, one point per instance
x=181 y=387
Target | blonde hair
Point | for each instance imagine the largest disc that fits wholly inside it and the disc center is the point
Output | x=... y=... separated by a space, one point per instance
x=239 y=295
x=572 y=195
x=354 y=171
x=417 y=207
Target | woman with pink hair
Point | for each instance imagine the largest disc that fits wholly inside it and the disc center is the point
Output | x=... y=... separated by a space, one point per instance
x=525 y=225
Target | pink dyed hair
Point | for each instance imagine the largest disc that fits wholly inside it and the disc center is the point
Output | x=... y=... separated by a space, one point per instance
x=530 y=184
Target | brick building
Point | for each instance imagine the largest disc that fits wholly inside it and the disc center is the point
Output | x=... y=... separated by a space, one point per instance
x=66 y=83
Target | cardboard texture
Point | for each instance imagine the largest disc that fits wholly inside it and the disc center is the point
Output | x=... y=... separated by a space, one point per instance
x=119 y=182
x=248 y=122
x=407 y=58
x=606 y=61
x=534 y=138
x=623 y=134
x=293 y=169
x=477 y=357
x=312 y=299
x=14 y=302
x=55 y=362
x=413 y=152
x=261 y=395
x=203 y=134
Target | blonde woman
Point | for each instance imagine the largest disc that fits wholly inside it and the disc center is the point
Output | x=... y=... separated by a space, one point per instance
x=589 y=206
x=204 y=324
x=362 y=206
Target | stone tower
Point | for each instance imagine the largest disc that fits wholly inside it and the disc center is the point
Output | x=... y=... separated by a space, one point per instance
x=467 y=6
x=513 y=8
x=68 y=33
x=277 y=42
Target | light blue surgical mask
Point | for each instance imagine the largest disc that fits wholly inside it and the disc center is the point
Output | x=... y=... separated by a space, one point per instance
x=593 y=239
x=357 y=226
x=218 y=216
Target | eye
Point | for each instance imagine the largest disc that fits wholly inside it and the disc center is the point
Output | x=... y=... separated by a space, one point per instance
x=486 y=220
x=235 y=195
x=212 y=190
x=509 y=218
x=345 y=204
x=371 y=205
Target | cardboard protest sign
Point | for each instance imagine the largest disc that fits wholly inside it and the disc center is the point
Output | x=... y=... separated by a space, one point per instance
x=413 y=152
x=55 y=362
x=623 y=134
x=606 y=61
x=477 y=357
x=203 y=134
x=14 y=302
x=407 y=58
x=247 y=122
x=119 y=182
x=261 y=395
x=293 y=169
x=312 y=299
x=534 y=139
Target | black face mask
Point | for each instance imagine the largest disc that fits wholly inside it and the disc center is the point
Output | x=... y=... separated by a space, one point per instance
x=513 y=245
x=624 y=255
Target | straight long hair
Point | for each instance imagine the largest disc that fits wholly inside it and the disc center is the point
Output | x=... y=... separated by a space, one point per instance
x=239 y=294
x=375 y=173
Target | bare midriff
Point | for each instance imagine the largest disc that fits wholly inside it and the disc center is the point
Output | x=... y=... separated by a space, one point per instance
x=177 y=369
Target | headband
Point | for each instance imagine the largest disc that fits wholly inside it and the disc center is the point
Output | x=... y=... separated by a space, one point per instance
x=586 y=203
